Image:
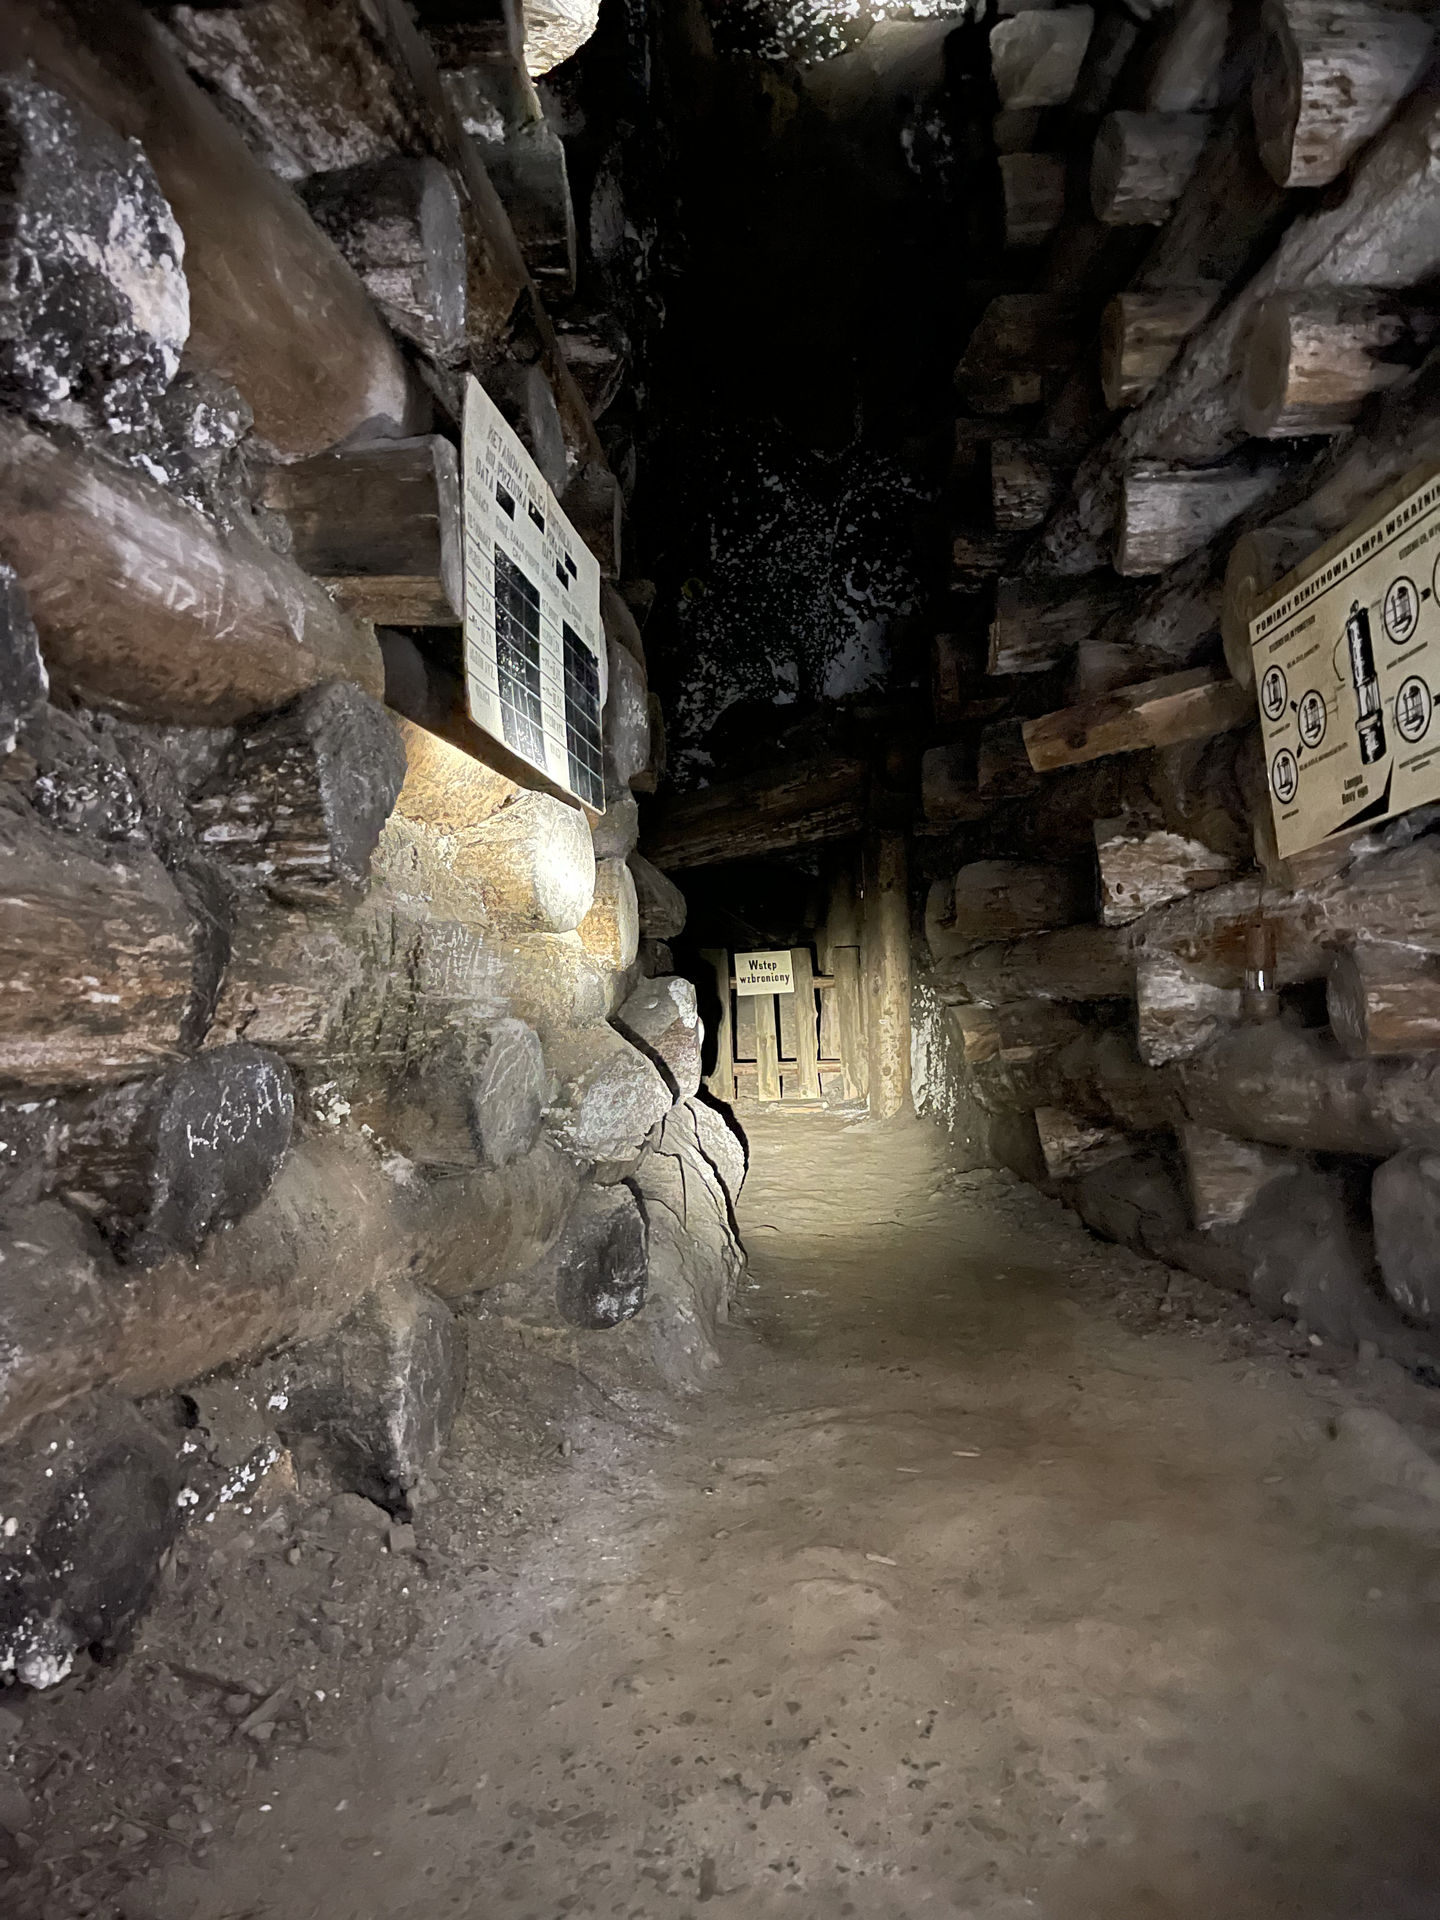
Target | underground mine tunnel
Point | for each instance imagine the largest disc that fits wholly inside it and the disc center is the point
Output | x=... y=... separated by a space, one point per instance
x=719 y=959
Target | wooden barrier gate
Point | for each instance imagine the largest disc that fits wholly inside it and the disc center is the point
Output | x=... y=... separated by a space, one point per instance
x=791 y=1046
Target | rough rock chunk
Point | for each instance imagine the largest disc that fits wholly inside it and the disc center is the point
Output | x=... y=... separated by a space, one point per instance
x=169 y=1161
x=1307 y=1257
x=377 y=1397
x=618 y=828
x=660 y=1016
x=533 y=864
x=75 y=778
x=89 y=1500
x=554 y=29
x=1405 y=1207
x=626 y=725
x=474 y=1099
x=94 y=309
x=302 y=799
x=719 y=1138
x=611 y=1096
x=610 y=931
x=601 y=1261
x=695 y=1256
x=661 y=903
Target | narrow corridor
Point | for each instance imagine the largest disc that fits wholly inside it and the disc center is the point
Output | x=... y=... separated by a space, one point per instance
x=993 y=1576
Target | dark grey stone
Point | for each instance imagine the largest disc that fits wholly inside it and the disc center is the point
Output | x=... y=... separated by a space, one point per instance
x=377 y=1397
x=93 y=1497
x=601 y=1261
x=222 y=1126
x=94 y=310
x=1405 y=1207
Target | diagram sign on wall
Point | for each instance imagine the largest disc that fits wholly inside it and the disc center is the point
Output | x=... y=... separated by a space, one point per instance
x=764 y=972
x=1347 y=669
x=534 y=646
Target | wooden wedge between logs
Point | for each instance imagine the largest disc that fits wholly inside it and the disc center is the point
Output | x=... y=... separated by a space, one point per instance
x=380 y=526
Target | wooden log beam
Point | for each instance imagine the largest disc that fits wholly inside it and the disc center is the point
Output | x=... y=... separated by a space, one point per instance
x=1383 y=1000
x=273 y=307
x=99 y=549
x=1177 y=1009
x=380 y=526
x=885 y=963
x=1329 y=75
x=1388 y=899
x=1187 y=68
x=722 y=1078
x=1141 y=870
x=1141 y=331
x=1384 y=233
x=300 y=802
x=1256 y=563
x=1293 y=1087
x=1026 y=479
x=1168 y=513
x=400 y=224
x=525 y=158
x=1315 y=356
x=1002 y=766
x=1038 y=622
x=1002 y=899
x=1072 y=1146
x=978 y=558
x=798 y=805
x=1020 y=334
x=1225 y=1176
x=949 y=795
x=1097 y=1075
x=1073 y=963
x=1142 y=163
x=331 y=1229
x=1156 y=713
x=97 y=957
x=1036 y=57
x=1032 y=191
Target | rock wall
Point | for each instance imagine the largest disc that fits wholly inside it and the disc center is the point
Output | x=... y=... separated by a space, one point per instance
x=316 y=1031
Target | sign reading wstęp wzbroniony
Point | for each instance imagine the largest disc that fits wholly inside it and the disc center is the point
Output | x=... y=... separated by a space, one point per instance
x=1347 y=666
x=764 y=972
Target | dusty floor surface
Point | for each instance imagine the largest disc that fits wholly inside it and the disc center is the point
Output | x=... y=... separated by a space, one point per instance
x=1001 y=1574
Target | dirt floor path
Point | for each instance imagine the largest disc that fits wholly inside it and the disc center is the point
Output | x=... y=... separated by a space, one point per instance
x=1001 y=1575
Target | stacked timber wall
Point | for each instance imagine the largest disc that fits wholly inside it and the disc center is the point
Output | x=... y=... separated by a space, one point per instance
x=1210 y=345
x=312 y=1027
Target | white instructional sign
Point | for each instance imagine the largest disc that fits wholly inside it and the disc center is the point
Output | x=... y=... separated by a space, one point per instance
x=1347 y=670
x=757 y=973
x=535 y=664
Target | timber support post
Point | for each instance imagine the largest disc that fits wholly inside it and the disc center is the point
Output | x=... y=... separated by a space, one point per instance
x=885 y=957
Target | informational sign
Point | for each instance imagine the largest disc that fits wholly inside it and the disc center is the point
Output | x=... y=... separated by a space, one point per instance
x=535 y=664
x=1347 y=669
x=764 y=973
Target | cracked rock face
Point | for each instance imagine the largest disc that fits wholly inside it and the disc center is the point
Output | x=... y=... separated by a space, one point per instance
x=661 y=1018
x=94 y=309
